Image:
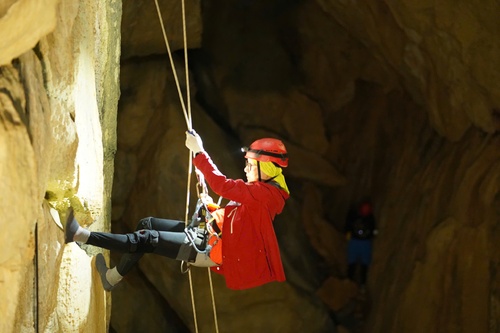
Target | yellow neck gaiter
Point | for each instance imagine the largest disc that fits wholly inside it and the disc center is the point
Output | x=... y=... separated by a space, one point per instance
x=274 y=172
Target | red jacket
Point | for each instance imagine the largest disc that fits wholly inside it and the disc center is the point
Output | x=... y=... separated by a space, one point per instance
x=250 y=251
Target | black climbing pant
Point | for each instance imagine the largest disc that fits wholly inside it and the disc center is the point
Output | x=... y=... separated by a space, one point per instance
x=152 y=235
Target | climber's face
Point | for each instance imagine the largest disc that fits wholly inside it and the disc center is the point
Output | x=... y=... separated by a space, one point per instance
x=251 y=170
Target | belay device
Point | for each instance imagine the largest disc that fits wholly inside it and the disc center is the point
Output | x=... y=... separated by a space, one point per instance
x=202 y=225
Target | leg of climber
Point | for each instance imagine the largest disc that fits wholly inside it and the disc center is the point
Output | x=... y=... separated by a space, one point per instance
x=352 y=259
x=127 y=261
x=73 y=231
x=366 y=259
x=160 y=236
x=106 y=274
x=167 y=244
x=111 y=277
x=150 y=234
x=173 y=230
x=134 y=245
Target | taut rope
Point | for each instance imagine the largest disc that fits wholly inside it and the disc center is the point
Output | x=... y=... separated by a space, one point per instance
x=187 y=116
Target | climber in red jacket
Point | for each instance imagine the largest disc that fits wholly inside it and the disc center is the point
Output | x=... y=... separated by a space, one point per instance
x=249 y=255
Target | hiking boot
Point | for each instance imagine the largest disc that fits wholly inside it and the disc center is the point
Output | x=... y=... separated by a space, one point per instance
x=71 y=226
x=100 y=264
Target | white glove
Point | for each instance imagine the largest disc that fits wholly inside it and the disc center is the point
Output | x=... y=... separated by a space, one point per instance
x=206 y=199
x=194 y=142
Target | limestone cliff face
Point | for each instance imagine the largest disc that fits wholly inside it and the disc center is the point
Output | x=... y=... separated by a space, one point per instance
x=396 y=100
x=58 y=93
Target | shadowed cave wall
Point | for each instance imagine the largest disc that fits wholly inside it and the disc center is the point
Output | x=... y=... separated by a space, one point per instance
x=371 y=100
x=393 y=100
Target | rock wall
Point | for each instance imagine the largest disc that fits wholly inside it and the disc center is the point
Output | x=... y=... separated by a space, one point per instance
x=58 y=93
x=396 y=100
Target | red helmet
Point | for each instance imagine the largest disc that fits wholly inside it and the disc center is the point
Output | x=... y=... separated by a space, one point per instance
x=365 y=209
x=268 y=150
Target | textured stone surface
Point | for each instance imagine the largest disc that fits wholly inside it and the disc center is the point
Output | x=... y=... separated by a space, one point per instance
x=19 y=34
x=398 y=100
x=18 y=170
x=58 y=93
x=142 y=33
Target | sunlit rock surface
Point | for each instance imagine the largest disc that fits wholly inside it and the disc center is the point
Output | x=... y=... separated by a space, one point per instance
x=58 y=93
x=16 y=18
x=396 y=100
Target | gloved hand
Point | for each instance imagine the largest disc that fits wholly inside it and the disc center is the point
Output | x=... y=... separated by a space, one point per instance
x=194 y=142
x=209 y=202
x=206 y=198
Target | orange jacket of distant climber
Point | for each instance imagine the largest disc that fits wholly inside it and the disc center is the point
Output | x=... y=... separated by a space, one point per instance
x=250 y=251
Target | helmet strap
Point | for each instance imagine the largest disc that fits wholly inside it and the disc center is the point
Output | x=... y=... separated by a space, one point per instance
x=258 y=152
x=258 y=170
x=260 y=178
x=268 y=180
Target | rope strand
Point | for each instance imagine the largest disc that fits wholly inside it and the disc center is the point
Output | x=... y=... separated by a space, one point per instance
x=186 y=65
x=192 y=301
x=213 y=300
x=165 y=37
x=189 y=124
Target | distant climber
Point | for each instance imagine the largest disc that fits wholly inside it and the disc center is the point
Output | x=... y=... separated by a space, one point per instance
x=360 y=229
x=248 y=256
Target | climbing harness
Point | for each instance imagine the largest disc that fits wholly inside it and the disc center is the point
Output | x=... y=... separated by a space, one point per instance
x=201 y=182
x=201 y=228
x=203 y=233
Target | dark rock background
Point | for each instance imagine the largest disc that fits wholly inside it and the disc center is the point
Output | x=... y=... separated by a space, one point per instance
x=371 y=99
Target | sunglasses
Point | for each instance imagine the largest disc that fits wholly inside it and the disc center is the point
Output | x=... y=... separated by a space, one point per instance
x=249 y=165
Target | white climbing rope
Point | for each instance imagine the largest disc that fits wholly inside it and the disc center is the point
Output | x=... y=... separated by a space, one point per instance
x=188 y=118
x=187 y=113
